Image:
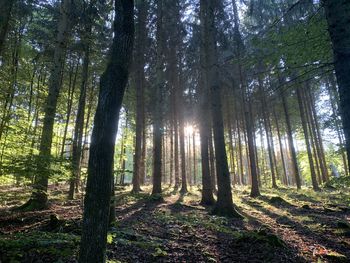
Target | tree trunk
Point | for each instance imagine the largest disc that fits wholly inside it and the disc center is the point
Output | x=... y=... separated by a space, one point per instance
x=141 y=32
x=204 y=125
x=224 y=205
x=10 y=94
x=307 y=140
x=100 y=172
x=176 y=144
x=268 y=134
x=194 y=158
x=189 y=159
x=291 y=144
x=337 y=14
x=144 y=149
x=319 y=145
x=157 y=112
x=79 y=121
x=331 y=91
x=212 y=159
x=182 y=149
x=71 y=88
x=252 y=158
x=39 y=195
x=281 y=148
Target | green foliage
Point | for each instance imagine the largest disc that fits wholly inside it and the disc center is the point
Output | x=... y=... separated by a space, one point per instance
x=159 y=253
x=338 y=182
x=24 y=247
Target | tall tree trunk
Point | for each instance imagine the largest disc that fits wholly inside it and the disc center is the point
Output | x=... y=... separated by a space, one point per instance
x=176 y=144
x=268 y=133
x=144 y=149
x=10 y=94
x=194 y=158
x=240 y=150
x=39 y=195
x=171 y=177
x=157 y=112
x=71 y=89
x=281 y=148
x=204 y=125
x=212 y=160
x=189 y=159
x=319 y=144
x=252 y=158
x=331 y=91
x=141 y=32
x=307 y=140
x=291 y=144
x=337 y=14
x=79 y=121
x=100 y=172
x=182 y=149
x=224 y=204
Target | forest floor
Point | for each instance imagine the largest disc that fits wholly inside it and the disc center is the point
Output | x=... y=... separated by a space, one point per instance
x=299 y=226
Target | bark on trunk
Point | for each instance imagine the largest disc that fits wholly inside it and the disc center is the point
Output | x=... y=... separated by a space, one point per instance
x=307 y=140
x=224 y=205
x=268 y=134
x=157 y=113
x=141 y=32
x=204 y=127
x=79 y=121
x=337 y=14
x=291 y=144
x=100 y=170
x=39 y=195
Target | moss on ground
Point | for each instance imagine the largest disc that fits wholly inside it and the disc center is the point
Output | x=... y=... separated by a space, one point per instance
x=48 y=247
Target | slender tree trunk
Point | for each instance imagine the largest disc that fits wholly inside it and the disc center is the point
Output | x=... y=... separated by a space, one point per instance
x=204 y=125
x=319 y=145
x=240 y=151
x=144 y=149
x=230 y=136
x=224 y=204
x=71 y=89
x=182 y=151
x=212 y=161
x=79 y=121
x=281 y=148
x=307 y=140
x=176 y=146
x=268 y=134
x=122 y=156
x=263 y=172
x=189 y=159
x=39 y=195
x=252 y=158
x=171 y=179
x=10 y=95
x=291 y=144
x=100 y=172
x=141 y=32
x=194 y=158
x=337 y=14
x=331 y=90
x=157 y=113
